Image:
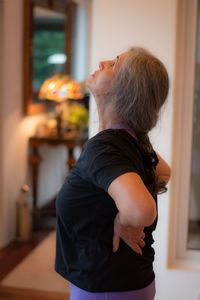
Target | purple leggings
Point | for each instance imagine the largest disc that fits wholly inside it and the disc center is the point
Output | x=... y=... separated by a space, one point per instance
x=147 y=293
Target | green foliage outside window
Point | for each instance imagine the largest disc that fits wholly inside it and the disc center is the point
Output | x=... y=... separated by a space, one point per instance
x=46 y=43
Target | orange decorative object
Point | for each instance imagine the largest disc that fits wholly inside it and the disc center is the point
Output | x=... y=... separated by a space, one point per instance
x=60 y=87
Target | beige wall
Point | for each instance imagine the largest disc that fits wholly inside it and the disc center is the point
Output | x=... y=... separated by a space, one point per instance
x=1 y=77
x=118 y=25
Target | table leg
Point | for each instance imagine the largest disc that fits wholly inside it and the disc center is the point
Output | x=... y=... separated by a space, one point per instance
x=35 y=160
x=71 y=159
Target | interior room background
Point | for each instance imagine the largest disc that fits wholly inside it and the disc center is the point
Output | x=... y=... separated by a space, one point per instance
x=115 y=26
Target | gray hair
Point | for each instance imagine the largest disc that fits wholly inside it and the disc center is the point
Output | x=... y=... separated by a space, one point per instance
x=139 y=91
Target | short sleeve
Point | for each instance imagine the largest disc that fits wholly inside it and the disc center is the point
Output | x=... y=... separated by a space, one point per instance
x=102 y=162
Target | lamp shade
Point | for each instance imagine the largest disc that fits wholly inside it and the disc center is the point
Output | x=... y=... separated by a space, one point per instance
x=60 y=87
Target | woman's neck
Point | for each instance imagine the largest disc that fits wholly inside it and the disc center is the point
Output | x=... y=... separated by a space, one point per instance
x=107 y=118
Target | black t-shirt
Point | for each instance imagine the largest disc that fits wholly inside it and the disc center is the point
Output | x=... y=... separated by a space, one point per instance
x=85 y=215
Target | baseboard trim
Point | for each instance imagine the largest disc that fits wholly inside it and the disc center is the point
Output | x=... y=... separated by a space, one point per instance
x=12 y=293
x=5 y=242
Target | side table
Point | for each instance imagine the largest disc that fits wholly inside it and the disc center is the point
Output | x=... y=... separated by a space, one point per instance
x=70 y=140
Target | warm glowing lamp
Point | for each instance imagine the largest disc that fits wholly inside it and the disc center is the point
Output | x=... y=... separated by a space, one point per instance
x=58 y=88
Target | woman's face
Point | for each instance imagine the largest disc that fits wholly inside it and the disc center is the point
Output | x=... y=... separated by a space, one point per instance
x=101 y=80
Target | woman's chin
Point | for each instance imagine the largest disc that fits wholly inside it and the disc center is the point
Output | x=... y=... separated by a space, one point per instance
x=88 y=83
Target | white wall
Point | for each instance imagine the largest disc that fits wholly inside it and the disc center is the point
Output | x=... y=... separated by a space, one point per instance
x=118 y=25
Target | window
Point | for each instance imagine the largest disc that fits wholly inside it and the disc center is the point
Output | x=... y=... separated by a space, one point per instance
x=194 y=207
x=48 y=46
x=180 y=253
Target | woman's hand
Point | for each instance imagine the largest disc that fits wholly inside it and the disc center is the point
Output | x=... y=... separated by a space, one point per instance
x=163 y=169
x=133 y=237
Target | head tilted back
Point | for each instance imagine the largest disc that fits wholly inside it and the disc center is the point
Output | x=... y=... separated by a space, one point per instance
x=140 y=89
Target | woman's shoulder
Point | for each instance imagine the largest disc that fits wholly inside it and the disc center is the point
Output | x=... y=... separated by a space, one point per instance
x=115 y=137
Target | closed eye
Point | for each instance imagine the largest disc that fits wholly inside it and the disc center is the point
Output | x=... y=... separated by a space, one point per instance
x=115 y=61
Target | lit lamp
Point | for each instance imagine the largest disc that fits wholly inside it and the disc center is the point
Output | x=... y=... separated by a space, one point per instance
x=60 y=87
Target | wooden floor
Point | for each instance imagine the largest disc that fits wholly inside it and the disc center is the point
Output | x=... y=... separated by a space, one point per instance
x=14 y=254
x=26 y=294
x=16 y=251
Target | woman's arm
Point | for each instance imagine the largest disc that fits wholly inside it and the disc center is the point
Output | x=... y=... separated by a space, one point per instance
x=163 y=169
x=136 y=206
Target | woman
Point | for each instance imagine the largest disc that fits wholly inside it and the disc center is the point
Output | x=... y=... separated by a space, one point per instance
x=106 y=209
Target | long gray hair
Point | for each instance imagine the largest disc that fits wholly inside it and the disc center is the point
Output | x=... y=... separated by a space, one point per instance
x=140 y=89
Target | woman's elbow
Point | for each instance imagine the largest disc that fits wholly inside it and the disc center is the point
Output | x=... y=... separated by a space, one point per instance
x=147 y=216
x=141 y=217
x=150 y=217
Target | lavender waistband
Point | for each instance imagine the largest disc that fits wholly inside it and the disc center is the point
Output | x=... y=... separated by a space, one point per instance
x=146 y=293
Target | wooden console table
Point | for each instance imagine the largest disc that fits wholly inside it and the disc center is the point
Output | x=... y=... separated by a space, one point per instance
x=70 y=140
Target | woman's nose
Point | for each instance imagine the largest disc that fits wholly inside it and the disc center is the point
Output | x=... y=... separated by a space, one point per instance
x=103 y=64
